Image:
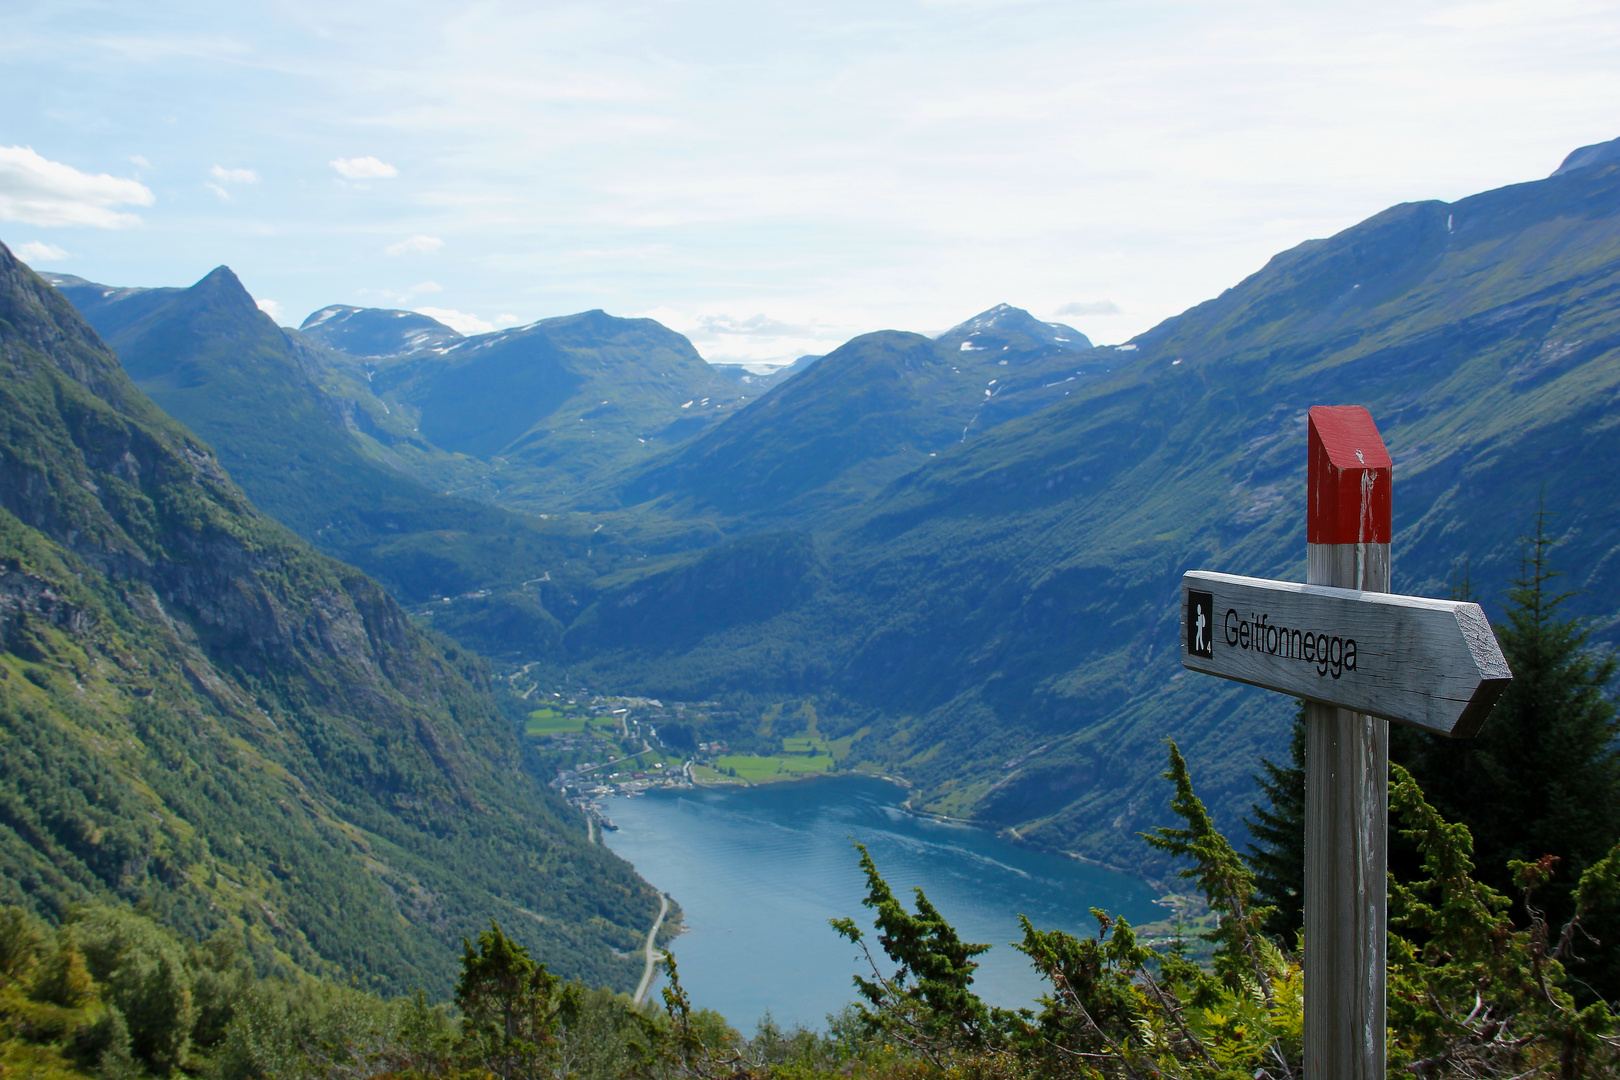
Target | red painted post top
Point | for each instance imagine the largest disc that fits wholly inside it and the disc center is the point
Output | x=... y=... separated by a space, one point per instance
x=1350 y=478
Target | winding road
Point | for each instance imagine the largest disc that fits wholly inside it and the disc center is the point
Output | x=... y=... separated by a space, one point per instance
x=652 y=935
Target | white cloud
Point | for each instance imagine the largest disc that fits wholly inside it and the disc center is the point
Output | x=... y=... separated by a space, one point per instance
x=270 y=308
x=1090 y=307
x=140 y=162
x=582 y=159
x=37 y=251
x=229 y=176
x=751 y=325
x=363 y=168
x=421 y=245
x=459 y=321
x=233 y=176
x=399 y=297
x=38 y=191
x=759 y=339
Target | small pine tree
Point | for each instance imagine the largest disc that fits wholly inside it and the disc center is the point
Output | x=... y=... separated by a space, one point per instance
x=1278 y=827
x=507 y=1000
x=928 y=1003
x=1543 y=776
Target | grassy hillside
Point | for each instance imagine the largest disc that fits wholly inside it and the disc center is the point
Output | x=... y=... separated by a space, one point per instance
x=203 y=716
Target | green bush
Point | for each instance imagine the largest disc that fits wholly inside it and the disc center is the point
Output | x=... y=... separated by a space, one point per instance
x=103 y=1044
x=143 y=973
x=64 y=979
x=21 y=941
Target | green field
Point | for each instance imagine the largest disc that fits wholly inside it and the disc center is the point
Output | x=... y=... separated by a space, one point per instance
x=706 y=774
x=548 y=721
x=765 y=770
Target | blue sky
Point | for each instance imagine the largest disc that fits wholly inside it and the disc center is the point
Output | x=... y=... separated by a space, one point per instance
x=770 y=179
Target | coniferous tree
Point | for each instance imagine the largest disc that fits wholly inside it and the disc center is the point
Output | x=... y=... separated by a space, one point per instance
x=507 y=1003
x=1278 y=827
x=1543 y=776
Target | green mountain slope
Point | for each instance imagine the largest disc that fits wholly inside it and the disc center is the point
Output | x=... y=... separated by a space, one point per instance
x=1001 y=619
x=202 y=715
x=559 y=405
x=298 y=428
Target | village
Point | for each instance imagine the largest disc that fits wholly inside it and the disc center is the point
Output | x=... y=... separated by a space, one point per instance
x=602 y=745
x=605 y=745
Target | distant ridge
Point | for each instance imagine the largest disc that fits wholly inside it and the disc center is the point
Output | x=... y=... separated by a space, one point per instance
x=560 y=404
x=299 y=428
x=827 y=439
x=1603 y=153
x=761 y=381
x=375 y=332
x=1005 y=327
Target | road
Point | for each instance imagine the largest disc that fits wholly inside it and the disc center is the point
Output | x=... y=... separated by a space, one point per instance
x=652 y=935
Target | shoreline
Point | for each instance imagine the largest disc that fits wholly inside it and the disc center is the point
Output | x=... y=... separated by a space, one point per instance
x=1011 y=832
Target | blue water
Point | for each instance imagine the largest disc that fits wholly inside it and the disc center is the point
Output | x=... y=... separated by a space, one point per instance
x=759 y=871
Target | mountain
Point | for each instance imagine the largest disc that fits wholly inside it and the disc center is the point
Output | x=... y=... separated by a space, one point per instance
x=297 y=426
x=831 y=437
x=967 y=559
x=558 y=405
x=1604 y=153
x=374 y=332
x=998 y=622
x=116 y=307
x=1005 y=328
x=203 y=716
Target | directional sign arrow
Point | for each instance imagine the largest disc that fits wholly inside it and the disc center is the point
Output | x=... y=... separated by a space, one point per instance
x=1434 y=664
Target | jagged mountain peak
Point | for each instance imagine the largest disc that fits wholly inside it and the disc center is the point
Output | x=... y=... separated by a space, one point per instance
x=221 y=286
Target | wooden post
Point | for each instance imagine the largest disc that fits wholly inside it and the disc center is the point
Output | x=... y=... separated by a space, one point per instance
x=1346 y=766
x=1344 y=643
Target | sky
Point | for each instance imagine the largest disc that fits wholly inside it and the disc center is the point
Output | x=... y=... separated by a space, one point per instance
x=770 y=179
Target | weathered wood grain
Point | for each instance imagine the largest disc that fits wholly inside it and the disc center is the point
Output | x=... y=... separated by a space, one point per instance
x=1430 y=663
x=1346 y=915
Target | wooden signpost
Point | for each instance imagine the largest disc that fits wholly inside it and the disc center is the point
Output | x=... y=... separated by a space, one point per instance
x=1361 y=658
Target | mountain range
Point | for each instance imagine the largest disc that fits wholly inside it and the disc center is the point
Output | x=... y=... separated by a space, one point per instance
x=999 y=620
x=965 y=551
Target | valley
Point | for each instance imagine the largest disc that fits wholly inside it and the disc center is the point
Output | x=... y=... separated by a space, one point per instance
x=951 y=560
